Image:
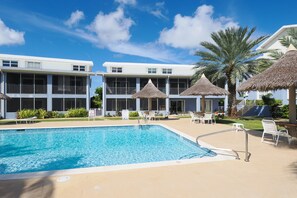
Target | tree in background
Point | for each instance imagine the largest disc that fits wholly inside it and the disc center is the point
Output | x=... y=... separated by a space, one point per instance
x=96 y=100
x=230 y=56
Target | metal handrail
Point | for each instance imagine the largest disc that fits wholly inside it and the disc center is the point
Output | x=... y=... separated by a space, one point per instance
x=247 y=154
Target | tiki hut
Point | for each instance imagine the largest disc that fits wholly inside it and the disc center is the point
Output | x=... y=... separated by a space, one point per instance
x=203 y=87
x=149 y=91
x=281 y=75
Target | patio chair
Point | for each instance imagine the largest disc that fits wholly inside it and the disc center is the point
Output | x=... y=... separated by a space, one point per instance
x=125 y=114
x=194 y=117
x=26 y=120
x=209 y=118
x=152 y=115
x=270 y=127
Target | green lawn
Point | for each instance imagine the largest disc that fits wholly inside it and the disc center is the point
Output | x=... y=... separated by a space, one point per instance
x=249 y=123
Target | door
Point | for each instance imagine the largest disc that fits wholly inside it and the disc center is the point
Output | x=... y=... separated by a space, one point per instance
x=177 y=106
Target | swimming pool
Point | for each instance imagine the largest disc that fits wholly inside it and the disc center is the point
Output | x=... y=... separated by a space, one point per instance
x=48 y=149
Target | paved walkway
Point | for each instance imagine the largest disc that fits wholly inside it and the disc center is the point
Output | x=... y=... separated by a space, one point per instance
x=271 y=172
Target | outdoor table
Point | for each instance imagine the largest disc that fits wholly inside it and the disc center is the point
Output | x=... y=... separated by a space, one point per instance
x=238 y=126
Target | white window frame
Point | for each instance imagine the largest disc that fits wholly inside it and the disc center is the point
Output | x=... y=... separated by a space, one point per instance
x=10 y=63
x=151 y=70
x=167 y=71
x=116 y=69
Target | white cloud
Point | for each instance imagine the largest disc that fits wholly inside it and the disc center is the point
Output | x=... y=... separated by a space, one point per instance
x=112 y=28
x=126 y=2
x=9 y=36
x=75 y=18
x=189 y=31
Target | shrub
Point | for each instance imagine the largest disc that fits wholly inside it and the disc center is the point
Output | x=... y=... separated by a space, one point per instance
x=26 y=113
x=133 y=114
x=52 y=114
x=41 y=113
x=81 y=112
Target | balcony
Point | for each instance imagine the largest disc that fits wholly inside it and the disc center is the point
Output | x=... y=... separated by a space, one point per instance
x=120 y=90
x=176 y=91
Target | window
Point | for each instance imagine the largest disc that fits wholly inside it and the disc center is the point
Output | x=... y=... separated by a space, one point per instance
x=13 y=105
x=79 y=68
x=82 y=68
x=13 y=83
x=34 y=65
x=116 y=70
x=9 y=63
x=27 y=85
x=75 y=67
x=166 y=71
x=41 y=103
x=58 y=104
x=152 y=70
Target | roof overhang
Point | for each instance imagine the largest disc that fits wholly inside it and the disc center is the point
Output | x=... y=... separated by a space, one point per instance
x=43 y=71
x=141 y=75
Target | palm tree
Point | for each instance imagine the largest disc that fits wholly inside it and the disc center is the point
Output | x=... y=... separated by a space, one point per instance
x=290 y=38
x=229 y=57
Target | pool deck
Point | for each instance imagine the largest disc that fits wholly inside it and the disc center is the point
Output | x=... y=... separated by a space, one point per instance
x=271 y=172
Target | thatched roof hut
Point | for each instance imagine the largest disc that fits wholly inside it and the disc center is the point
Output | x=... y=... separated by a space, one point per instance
x=203 y=87
x=149 y=91
x=281 y=75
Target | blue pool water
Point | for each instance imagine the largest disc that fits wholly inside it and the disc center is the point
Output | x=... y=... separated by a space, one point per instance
x=34 y=150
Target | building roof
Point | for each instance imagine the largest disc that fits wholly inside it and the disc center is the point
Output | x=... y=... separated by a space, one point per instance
x=276 y=35
x=127 y=64
x=37 y=58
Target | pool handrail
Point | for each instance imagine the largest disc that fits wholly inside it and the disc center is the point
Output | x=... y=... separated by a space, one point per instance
x=247 y=154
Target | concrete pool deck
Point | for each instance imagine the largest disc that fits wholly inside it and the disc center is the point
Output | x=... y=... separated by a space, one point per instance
x=271 y=172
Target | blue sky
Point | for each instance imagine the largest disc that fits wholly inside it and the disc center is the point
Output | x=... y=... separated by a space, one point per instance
x=167 y=31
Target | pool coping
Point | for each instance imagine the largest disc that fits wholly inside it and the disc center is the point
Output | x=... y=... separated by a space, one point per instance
x=220 y=156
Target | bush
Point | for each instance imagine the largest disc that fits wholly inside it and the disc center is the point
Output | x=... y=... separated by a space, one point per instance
x=133 y=114
x=26 y=113
x=40 y=113
x=81 y=112
x=52 y=114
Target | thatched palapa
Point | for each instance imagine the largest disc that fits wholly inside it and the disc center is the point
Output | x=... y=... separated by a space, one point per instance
x=203 y=87
x=281 y=75
x=149 y=91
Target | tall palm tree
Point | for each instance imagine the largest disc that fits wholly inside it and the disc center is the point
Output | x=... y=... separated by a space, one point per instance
x=229 y=57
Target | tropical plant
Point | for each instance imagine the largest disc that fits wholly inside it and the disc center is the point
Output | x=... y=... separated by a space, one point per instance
x=97 y=98
x=229 y=57
x=290 y=38
x=81 y=112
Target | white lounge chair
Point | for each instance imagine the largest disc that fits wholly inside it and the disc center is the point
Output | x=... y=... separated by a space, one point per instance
x=270 y=127
x=209 y=118
x=194 y=117
x=125 y=114
x=152 y=115
x=25 y=120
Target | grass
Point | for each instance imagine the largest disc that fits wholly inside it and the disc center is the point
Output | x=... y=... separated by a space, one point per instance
x=252 y=123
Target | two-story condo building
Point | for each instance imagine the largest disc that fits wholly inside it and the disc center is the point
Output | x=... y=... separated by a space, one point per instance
x=48 y=83
x=121 y=80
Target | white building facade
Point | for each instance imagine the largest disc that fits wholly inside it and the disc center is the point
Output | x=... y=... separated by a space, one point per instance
x=47 y=83
x=121 y=80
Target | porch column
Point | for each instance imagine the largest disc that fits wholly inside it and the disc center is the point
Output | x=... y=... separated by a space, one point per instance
x=198 y=104
x=137 y=90
x=49 y=92
x=2 y=90
x=167 y=94
x=88 y=92
x=226 y=100
x=103 y=108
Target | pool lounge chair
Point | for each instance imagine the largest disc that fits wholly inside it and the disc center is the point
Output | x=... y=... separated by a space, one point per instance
x=125 y=114
x=270 y=127
x=194 y=117
x=209 y=118
x=25 y=120
x=152 y=115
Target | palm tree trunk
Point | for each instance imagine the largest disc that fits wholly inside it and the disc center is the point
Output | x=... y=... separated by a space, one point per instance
x=232 y=112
